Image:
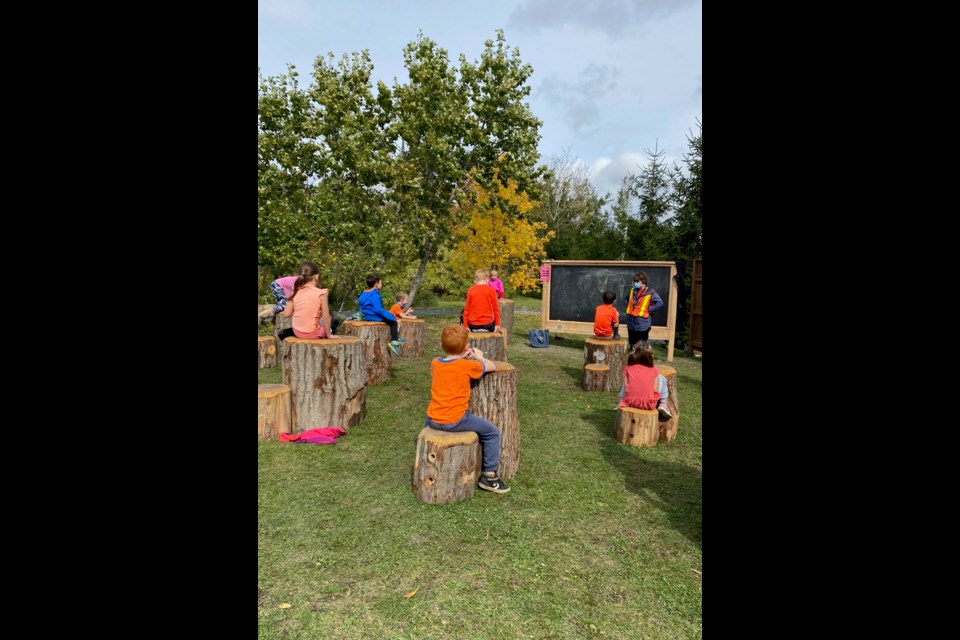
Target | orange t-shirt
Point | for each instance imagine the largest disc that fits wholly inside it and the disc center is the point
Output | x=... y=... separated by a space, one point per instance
x=450 y=389
x=307 y=307
x=604 y=320
x=482 y=306
x=396 y=309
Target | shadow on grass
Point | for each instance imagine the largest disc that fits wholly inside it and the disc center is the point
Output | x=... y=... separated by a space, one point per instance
x=675 y=488
x=690 y=382
x=576 y=373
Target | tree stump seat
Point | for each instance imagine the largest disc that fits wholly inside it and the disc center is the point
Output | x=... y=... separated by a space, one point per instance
x=668 y=428
x=447 y=466
x=273 y=411
x=595 y=377
x=612 y=353
x=494 y=398
x=266 y=352
x=638 y=427
x=411 y=330
x=375 y=338
x=493 y=345
x=506 y=318
x=327 y=380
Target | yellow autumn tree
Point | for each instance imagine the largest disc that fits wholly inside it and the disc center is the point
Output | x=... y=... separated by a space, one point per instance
x=498 y=236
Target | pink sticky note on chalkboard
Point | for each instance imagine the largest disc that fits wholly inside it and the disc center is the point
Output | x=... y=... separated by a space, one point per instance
x=545 y=273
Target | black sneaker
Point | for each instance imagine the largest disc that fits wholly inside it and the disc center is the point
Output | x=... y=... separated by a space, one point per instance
x=494 y=484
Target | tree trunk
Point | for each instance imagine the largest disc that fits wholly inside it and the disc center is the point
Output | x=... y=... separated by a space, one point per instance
x=412 y=332
x=447 y=466
x=327 y=380
x=638 y=427
x=612 y=353
x=266 y=352
x=273 y=411
x=492 y=345
x=595 y=377
x=494 y=398
x=668 y=428
x=419 y=277
x=374 y=336
x=506 y=319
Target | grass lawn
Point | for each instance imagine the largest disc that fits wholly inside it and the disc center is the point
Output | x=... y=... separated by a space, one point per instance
x=596 y=539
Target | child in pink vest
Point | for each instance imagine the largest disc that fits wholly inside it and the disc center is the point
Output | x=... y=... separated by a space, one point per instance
x=643 y=386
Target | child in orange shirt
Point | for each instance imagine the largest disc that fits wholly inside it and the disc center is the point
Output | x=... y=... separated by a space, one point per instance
x=482 y=311
x=450 y=399
x=397 y=308
x=606 y=322
x=308 y=306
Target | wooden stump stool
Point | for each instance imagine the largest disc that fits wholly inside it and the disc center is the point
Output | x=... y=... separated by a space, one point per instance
x=612 y=353
x=492 y=344
x=447 y=466
x=595 y=377
x=375 y=337
x=412 y=332
x=506 y=319
x=273 y=411
x=638 y=427
x=266 y=352
x=494 y=398
x=668 y=428
x=328 y=382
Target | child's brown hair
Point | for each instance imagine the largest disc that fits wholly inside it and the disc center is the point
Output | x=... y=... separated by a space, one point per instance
x=641 y=354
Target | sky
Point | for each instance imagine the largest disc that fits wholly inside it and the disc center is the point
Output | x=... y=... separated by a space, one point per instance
x=611 y=79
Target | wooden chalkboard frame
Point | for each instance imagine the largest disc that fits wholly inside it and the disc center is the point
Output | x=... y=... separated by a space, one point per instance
x=657 y=332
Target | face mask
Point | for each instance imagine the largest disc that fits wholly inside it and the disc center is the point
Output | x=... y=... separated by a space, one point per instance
x=638 y=285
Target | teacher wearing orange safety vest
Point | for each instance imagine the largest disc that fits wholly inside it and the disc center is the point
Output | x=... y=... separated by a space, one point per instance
x=641 y=303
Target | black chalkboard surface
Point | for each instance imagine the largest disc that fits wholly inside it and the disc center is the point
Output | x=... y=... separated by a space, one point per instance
x=576 y=290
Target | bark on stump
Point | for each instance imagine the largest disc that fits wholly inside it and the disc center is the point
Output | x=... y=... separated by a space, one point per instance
x=506 y=319
x=273 y=411
x=328 y=382
x=668 y=428
x=638 y=427
x=412 y=332
x=375 y=338
x=595 y=377
x=494 y=398
x=612 y=353
x=266 y=352
x=493 y=345
x=447 y=466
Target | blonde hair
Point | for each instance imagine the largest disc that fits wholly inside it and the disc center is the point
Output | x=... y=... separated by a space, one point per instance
x=481 y=274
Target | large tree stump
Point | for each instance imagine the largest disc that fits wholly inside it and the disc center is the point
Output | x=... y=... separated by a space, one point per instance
x=506 y=319
x=668 y=428
x=493 y=345
x=638 y=427
x=412 y=332
x=375 y=337
x=273 y=411
x=447 y=466
x=494 y=398
x=327 y=380
x=612 y=353
x=266 y=352
x=595 y=377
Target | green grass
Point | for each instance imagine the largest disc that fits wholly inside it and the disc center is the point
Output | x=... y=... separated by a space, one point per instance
x=596 y=539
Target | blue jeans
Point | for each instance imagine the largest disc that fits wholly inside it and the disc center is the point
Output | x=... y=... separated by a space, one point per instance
x=279 y=295
x=489 y=437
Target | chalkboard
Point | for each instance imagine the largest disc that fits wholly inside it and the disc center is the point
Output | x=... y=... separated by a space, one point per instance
x=577 y=290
